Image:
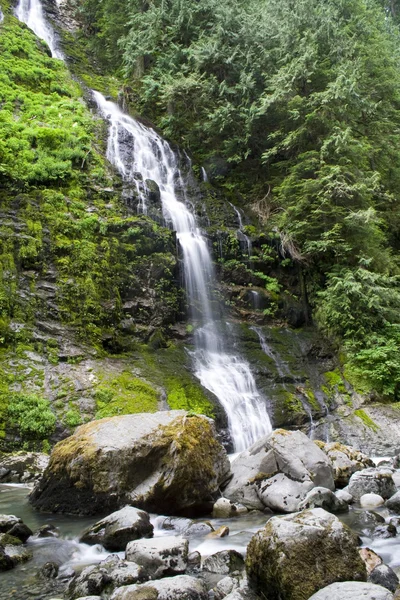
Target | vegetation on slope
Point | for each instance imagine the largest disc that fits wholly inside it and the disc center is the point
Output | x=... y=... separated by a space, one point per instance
x=301 y=100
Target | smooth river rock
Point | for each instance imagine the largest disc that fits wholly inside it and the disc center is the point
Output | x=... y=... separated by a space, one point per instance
x=372 y=481
x=278 y=471
x=181 y=587
x=345 y=461
x=294 y=556
x=352 y=590
x=119 y=528
x=159 y=557
x=163 y=462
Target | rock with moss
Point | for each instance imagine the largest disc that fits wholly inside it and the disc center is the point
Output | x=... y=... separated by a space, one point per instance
x=345 y=460
x=164 y=462
x=296 y=555
x=278 y=471
x=22 y=466
x=372 y=481
x=160 y=557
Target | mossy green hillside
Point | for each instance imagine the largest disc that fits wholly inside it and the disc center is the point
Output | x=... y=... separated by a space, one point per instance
x=125 y=394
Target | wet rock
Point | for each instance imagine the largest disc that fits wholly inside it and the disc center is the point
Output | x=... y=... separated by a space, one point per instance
x=182 y=587
x=116 y=530
x=384 y=576
x=6 y=562
x=49 y=570
x=393 y=503
x=46 y=531
x=222 y=509
x=278 y=471
x=371 y=500
x=194 y=560
x=221 y=532
x=22 y=466
x=366 y=521
x=9 y=540
x=320 y=497
x=344 y=496
x=14 y=526
x=353 y=590
x=370 y=558
x=174 y=462
x=109 y=574
x=198 y=530
x=159 y=557
x=345 y=461
x=294 y=556
x=17 y=554
x=178 y=524
x=372 y=481
x=224 y=562
x=224 y=587
x=385 y=531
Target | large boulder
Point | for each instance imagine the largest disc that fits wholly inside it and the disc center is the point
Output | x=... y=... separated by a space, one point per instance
x=162 y=462
x=352 y=590
x=296 y=555
x=181 y=587
x=278 y=471
x=224 y=562
x=372 y=481
x=345 y=461
x=119 y=528
x=160 y=557
x=15 y=527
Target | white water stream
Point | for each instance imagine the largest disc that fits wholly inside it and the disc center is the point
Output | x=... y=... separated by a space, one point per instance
x=140 y=154
x=134 y=148
x=30 y=12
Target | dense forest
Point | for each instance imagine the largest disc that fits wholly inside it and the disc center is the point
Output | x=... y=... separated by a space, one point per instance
x=301 y=100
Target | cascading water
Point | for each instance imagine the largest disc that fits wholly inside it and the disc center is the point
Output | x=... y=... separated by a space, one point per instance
x=30 y=12
x=134 y=148
x=140 y=154
x=244 y=239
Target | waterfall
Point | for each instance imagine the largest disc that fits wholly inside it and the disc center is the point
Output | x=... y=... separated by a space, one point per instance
x=140 y=154
x=30 y=12
x=1 y=15
x=134 y=148
x=244 y=239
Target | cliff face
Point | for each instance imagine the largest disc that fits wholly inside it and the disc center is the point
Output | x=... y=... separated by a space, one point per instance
x=92 y=310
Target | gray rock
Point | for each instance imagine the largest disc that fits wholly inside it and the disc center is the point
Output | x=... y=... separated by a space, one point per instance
x=119 y=528
x=224 y=562
x=14 y=526
x=371 y=501
x=88 y=472
x=352 y=590
x=160 y=556
x=178 y=524
x=385 y=531
x=194 y=561
x=372 y=481
x=345 y=461
x=90 y=598
x=16 y=554
x=222 y=509
x=224 y=587
x=344 y=496
x=22 y=466
x=182 y=587
x=198 y=530
x=49 y=570
x=384 y=576
x=110 y=573
x=278 y=471
x=295 y=555
x=320 y=497
x=393 y=503
x=47 y=531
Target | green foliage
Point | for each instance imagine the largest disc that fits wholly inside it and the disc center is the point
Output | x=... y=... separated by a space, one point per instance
x=123 y=395
x=31 y=415
x=366 y=419
x=72 y=418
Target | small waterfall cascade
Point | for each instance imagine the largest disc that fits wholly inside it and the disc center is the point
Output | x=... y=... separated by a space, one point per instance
x=244 y=240
x=226 y=375
x=30 y=12
x=1 y=15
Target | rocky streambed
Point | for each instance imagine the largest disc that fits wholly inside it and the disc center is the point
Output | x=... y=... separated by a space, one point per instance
x=161 y=514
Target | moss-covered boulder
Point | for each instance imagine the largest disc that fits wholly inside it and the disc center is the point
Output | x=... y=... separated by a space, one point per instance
x=345 y=461
x=165 y=462
x=296 y=555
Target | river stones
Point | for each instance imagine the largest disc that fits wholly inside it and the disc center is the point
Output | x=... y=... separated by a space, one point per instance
x=345 y=461
x=353 y=590
x=107 y=575
x=393 y=503
x=371 y=501
x=295 y=555
x=278 y=471
x=21 y=467
x=119 y=528
x=372 y=481
x=320 y=497
x=224 y=562
x=384 y=576
x=162 y=462
x=181 y=587
x=161 y=556
x=15 y=527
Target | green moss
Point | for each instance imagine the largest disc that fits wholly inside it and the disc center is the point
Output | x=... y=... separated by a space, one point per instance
x=335 y=381
x=366 y=419
x=187 y=396
x=125 y=394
